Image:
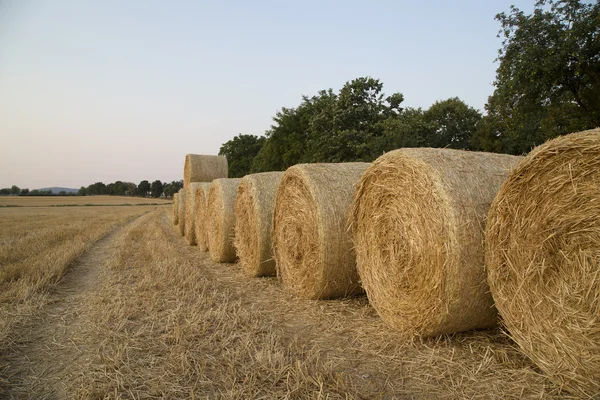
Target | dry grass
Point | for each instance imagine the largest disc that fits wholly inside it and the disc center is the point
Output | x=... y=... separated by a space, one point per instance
x=36 y=247
x=166 y=323
x=543 y=259
x=47 y=201
x=163 y=321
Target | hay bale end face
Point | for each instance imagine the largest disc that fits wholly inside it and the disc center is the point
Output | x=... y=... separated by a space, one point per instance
x=543 y=259
x=181 y=211
x=200 y=221
x=253 y=216
x=175 y=210
x=221 y=219
x=201 y=168
x=311 y=244
x=190 y=226
x=418 y=219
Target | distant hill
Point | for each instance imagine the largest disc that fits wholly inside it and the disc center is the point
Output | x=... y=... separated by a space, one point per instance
x=56 y=190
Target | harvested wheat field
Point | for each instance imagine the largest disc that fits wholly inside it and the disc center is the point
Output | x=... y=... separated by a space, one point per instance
x=37 y=247
x=142 y=315
x=62 y=201
x=418 y=218
x=543 y=259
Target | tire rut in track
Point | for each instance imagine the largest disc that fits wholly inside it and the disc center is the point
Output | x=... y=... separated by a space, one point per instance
x=37 y=364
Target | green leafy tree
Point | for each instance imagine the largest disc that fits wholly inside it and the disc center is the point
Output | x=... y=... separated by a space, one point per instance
x=156 y=189
x=15 y=190
x=287 y=140
x=358 y=115
x=143 y=188
x=240 y=152
x=117 y=188
x=409 y=129
x=452 y=123
x=97 y=188
x=24 y=192
x=171 y=188
x=548 y=79
x=131 y=189
x=4 y=191
x=82 y=191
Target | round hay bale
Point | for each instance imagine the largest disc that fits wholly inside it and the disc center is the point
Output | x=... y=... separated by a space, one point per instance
x=175 y=211
x=181 y=211
x=201 y=168
x=190 y=227
x=220 y=217
x=200 y=223
x=417 y=220
x=311 y=245
x=253 y=216
x=543 y=259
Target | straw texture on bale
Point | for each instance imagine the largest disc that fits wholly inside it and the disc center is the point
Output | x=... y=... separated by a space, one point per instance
x=418 y=220
x=190 y=226
x=181 y=211
x=221 y=219
x=200 y=222
x=175 y=210
x=253 y=217
x=543 y=259
x=311 y=245
x=201 y=168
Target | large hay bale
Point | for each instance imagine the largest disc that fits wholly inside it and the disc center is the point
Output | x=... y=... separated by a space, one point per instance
x=311 y=245
x=175 y=210
x=181 y=211
x=190 y=227
x=543 y=259
x=201 y=168
x=418 y=219
x=253 y=216
x=200 y=222
x=220 y=217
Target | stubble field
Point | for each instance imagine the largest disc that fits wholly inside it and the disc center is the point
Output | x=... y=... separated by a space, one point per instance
x=109 y=302
x=62 y=201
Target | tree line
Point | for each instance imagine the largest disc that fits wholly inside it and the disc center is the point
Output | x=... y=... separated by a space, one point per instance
x=155 y=189
x=547 y=84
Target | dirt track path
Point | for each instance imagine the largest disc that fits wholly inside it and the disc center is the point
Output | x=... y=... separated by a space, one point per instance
x=40 y=357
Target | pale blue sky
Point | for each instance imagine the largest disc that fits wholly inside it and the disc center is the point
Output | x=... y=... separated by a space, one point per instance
x=122 y=90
